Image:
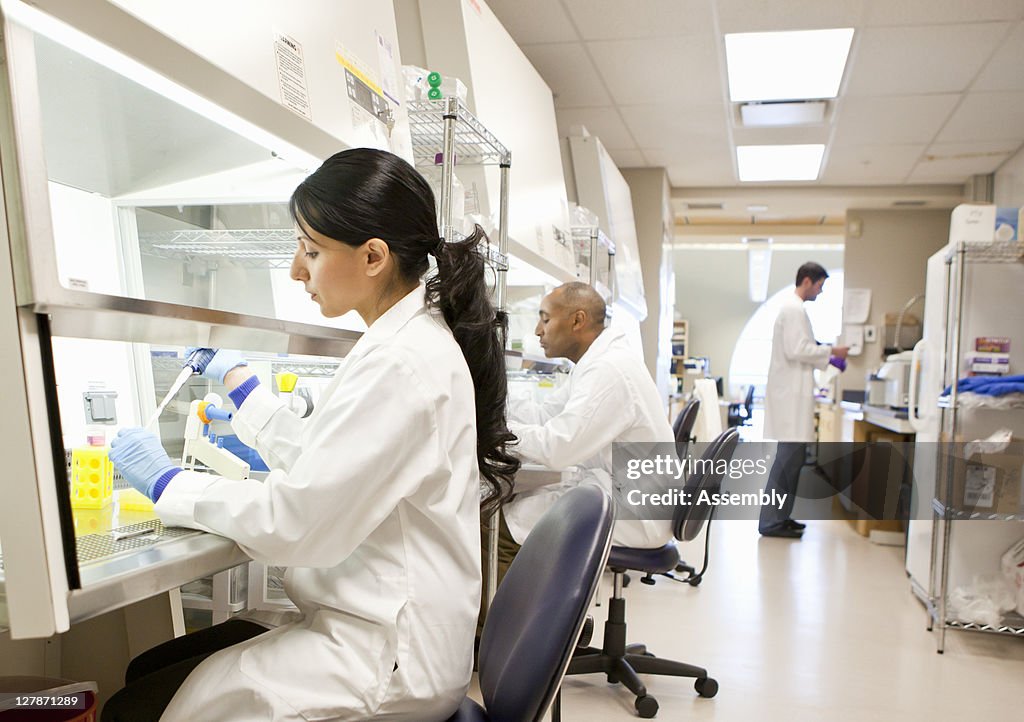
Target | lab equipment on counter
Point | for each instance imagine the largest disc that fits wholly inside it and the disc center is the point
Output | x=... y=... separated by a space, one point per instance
x=92 y=473
x=891 y=385
x=202 y=445
x=92 y=477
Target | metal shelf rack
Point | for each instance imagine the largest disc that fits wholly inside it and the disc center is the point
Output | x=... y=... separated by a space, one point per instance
x=446 y=126
x=587 y=242
x=253 y=248
x=944 y=508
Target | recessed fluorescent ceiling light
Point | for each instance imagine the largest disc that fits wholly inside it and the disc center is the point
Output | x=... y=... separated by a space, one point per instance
x=794 y=65
x=779 y=162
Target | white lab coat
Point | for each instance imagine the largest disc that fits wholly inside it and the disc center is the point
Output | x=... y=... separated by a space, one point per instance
x=789 y=395
x=373 y=505
x=609 y=397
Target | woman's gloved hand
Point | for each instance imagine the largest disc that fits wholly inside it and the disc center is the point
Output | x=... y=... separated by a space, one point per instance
x=141 y=459
x=215 y=367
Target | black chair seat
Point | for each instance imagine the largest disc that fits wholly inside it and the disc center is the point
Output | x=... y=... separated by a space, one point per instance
x=469 y=711
x=652 y=561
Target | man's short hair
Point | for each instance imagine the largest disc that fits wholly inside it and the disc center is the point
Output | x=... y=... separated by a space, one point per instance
x=811 y=270
x=577 y=295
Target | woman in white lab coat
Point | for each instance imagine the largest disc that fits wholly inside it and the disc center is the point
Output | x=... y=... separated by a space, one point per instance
x=373 y=501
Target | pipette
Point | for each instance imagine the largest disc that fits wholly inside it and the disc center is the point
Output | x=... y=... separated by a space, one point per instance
x=194 y=364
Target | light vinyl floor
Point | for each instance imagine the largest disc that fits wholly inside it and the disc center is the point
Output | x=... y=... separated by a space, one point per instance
x=824 y=628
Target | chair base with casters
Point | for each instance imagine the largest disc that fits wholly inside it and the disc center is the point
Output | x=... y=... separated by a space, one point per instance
x=622 y=662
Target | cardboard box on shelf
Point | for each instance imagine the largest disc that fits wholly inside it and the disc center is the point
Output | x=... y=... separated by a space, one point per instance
x=990 y=482
x=993 y=344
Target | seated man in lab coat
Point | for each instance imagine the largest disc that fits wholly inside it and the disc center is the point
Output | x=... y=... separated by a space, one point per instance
x=609 y=397
x=789 y=397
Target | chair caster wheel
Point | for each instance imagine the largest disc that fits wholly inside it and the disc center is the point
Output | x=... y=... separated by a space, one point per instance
x=646 y=706
x=706 y=687
x=647 y=579
x=587 y=633
x=695 y=582
x=625 y=580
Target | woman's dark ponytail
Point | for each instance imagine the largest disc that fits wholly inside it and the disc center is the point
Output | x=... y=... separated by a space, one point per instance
x=363 y=193
x=459 y=290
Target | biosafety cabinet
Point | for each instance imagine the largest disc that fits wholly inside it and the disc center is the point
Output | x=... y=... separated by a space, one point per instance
x=145 y=210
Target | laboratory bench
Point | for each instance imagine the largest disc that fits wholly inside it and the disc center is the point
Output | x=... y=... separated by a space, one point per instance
x=129 y=556
x=879 y=485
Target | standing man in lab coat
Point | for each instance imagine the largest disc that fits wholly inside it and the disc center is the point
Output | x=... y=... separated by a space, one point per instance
x=789 y=397
x=609 y=397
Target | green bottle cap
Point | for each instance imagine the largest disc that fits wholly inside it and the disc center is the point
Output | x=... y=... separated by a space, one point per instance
x=434 y=94
x=434 y=79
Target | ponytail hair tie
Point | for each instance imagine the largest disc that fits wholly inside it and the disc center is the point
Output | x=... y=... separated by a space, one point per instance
x=436 y=250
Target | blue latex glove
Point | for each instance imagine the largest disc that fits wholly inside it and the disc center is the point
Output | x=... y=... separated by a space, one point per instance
x=141 y=459
x=215 y=368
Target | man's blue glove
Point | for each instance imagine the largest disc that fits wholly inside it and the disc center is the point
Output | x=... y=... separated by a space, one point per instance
x=142 y=461
x=214 y=364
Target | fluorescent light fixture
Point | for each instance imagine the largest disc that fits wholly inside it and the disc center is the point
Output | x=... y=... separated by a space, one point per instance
x=773 y=113
x=779 y=162
x=757 y=208
x=793 y=65
x=759 y=266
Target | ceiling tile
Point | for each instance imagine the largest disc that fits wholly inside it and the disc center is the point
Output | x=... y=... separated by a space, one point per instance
x=923 y=59
x=748 y=16
x=1005 y=71
x=955 y=162
x=858 y=164
x=922 y=12
x=659 y=69
x=658 y=125
x=615 y=19
x=567 y=70
x=627 y=158
x=784 y=135
x=893 y=119
x=534 y=21
x=986 y=116
x=605 y=123
x=708 y=164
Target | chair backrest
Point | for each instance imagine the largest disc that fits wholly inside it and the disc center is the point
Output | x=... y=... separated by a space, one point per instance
x=683 y=426
x=689 y=518
x=535 y=618
x=748 y=402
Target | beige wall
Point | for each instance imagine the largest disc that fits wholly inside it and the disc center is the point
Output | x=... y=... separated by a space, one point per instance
x=652 y=215
x=712 y=293
x=888 y=255
x=1009 y=182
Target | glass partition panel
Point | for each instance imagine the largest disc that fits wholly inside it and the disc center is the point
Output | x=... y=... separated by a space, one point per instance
x=103 y=386
x=151 y=199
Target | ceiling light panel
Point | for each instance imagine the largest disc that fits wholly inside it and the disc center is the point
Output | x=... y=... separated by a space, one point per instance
x=779 y=162
x=792 y=65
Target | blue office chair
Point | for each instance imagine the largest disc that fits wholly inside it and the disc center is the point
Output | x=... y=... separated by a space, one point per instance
x=622 y=662
x=535 y=618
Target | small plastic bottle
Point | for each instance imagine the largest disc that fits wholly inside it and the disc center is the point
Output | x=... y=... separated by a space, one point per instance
x=434 y=176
